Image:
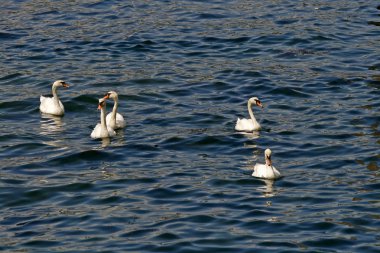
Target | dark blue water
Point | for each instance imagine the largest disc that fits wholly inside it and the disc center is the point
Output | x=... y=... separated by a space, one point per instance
x=178 y=177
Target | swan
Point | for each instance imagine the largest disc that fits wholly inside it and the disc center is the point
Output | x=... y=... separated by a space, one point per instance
x=52 y=105
x=101 y=130
x=266 y=170
x=114 y=119
x=249 y=125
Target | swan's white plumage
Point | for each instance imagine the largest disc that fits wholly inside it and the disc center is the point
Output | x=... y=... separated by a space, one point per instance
x=249 y=125
x=49 y=105
x=52 y=105
x=101 y=130
x=114 y=119
x=267 y=170
x=99 y=133
x=115 y=124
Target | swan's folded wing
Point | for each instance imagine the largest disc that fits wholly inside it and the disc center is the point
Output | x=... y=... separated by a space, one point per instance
x=263 y=171
x=277 y=174
x=120 y=123
x=111 y=132
x=48 y=105
x=96 y=132
x=44 y=106
x=257 y=172
x=243 y=125
x=238 y=126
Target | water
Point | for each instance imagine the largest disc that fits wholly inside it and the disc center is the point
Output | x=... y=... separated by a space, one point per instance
x=178 y=177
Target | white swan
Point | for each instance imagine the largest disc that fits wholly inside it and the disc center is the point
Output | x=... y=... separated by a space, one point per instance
x=101 y=130
x=52 y=105
x=114 y=119
x=249 y=125
x=266 y=170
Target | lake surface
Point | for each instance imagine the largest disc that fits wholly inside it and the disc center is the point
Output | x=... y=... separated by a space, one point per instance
x=178 y=177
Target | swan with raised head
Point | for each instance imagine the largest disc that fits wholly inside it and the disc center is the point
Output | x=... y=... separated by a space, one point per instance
x=101 y=130
x=114 y=119
x=52 y=105
x=267 y=170
x=249 y=125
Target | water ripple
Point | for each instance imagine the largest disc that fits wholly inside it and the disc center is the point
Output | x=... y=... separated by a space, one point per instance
x=178 y=177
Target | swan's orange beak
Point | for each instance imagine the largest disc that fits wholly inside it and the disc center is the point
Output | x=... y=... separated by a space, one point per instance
x=101 y=104
x=107 y=96
x=65 y=85
x=258 y=103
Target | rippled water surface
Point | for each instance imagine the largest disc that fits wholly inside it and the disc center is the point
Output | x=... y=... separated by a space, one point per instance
x=178 y=177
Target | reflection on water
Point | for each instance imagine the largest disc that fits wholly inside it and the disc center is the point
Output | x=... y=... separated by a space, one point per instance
x=51 y=124
x=117 y=140
x=184 y=71
x=268 y=190
x=251 y=135
x=106 y=142
x=250 y=163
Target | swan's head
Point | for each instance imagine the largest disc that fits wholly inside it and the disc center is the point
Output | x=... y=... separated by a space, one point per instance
x=60 y=83
x=111 y=94
x=255 y=101
x=268 y=154
x=102 y=103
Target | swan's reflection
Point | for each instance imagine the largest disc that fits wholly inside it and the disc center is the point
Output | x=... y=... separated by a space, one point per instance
x=268 y=190
x=106 y=142
x=251 y=135
x=253 y=146
x=51 y=124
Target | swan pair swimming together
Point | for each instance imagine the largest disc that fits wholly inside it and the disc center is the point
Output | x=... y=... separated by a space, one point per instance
x=114 y=120
x=267 y=170
x=107 y=126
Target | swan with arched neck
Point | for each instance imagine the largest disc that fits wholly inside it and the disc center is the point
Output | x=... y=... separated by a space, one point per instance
x=114 y=119
x=101 y=130
x=52 y=105
x=249 y=125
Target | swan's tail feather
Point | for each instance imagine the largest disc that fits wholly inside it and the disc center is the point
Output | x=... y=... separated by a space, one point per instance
x=237 y=125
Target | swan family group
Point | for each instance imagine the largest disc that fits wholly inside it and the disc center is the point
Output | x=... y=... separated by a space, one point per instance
x=107 y=126
x=114 y=120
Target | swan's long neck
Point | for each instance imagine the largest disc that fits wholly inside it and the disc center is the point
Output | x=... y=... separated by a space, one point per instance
x=115 y=106
x=254 y=121
x=55 y=94
x=103 y=124
x=268 y=162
